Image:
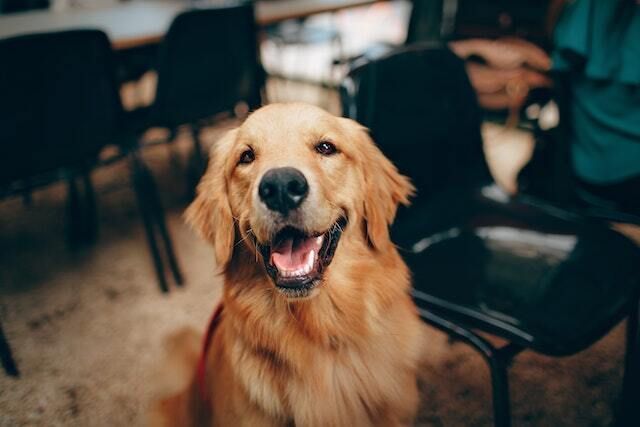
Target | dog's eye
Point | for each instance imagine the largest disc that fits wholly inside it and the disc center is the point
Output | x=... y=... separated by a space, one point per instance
x=247 y=156
x=326 y=148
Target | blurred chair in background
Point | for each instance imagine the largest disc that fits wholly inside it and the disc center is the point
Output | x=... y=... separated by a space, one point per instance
x=502 y=71
x=294 y=50
x=6 y=357
x=519 y=268
x=505 y=43
x=10 y=6
x=427 y=21
x=59 y=108
x=207 y=65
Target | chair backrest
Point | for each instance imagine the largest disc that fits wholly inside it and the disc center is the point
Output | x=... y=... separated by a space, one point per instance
x=10 y=6
x=208 y=63
x=59 y=103
x=422 y=112
x=425 y=21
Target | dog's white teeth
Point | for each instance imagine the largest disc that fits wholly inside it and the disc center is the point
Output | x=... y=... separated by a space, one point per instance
x=287 y=273
x=311 y=257
x=319 y=240
x=311 y=260
x=306 y=269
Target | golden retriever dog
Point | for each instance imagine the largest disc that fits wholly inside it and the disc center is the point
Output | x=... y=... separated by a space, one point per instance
x=316 y=326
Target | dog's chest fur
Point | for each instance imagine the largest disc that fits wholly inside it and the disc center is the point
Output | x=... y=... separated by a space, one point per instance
x=325 y=380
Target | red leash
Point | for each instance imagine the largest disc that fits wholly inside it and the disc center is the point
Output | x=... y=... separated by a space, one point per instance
x=201 y=373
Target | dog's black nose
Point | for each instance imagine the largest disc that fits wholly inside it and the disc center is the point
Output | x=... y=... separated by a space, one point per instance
x=283 y=189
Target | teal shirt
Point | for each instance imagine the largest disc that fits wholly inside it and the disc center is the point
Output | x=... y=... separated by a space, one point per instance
x=604 y=62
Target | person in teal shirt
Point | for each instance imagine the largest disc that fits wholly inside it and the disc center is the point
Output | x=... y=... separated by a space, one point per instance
x=598 y=43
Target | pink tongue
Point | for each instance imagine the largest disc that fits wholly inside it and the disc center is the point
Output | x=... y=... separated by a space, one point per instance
x=291 y=254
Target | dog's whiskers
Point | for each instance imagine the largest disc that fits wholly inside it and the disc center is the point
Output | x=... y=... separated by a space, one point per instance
x=256 y=245
x=248 y=234
x=250 y=237
x=243 y=239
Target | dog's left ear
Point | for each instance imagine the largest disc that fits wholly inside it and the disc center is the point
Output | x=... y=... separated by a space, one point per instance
x=384 y=188
x=210 y=212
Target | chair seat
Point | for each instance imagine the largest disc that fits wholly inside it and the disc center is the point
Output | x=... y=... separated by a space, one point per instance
x=511 y=267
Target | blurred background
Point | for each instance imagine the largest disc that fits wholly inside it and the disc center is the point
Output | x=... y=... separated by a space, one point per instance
x=518 y=121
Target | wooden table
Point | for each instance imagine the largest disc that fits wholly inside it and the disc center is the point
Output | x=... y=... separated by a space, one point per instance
x=138 y=23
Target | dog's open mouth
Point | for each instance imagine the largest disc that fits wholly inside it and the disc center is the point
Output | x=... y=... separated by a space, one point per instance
x=296 y=261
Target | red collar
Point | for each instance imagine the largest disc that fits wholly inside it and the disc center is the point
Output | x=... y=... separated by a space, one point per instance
x=201 y=373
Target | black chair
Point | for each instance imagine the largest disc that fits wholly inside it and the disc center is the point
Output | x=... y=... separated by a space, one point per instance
x=12 y=6
x=519 y=268
x=430 y=21
x=58 y=109
x=6 y=357
x=208 y=64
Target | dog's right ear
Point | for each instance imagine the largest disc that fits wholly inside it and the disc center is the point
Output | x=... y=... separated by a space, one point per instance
x=384 y=188
x=210 y=212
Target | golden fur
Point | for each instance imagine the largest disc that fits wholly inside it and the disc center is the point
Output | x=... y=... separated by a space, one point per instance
x=347 y=355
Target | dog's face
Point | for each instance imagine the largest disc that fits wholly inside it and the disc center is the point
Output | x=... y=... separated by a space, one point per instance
x=289 y=184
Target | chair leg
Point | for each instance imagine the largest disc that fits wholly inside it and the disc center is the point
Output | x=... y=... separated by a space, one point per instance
x=90 y=222
x=8 y=363
x=168 y=246
x=141 y=187
x=500 y=391
x=74 y=212
x=630 y=407
x=498 y=360
x=82 y=222
x=155 y=206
